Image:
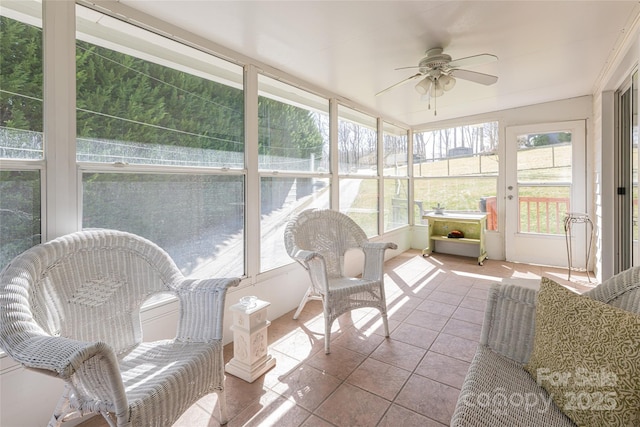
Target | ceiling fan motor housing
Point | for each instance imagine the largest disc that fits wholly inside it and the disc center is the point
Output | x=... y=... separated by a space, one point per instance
x=434 y=62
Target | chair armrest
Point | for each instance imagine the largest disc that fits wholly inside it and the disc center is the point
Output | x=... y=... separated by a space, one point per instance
x=57 y=356
x=315 y=264
x=374 y=259
x=86 y=365
x=509 y=322
x=202 y=308
x=380 y=245
x=303 y=256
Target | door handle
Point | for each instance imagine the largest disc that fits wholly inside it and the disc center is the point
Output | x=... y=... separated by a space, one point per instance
x=510 y=187
x=509 y=197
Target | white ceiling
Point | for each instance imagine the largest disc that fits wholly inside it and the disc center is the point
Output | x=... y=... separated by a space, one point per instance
x=547 y=50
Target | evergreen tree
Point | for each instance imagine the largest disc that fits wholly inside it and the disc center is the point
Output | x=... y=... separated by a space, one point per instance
x=20 y=75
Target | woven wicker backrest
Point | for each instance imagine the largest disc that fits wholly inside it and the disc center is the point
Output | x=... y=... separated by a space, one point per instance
x=88 y=286
x=621 y=290
x=327 y=232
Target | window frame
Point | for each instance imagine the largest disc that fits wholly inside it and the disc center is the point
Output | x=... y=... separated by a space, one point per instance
x=195 y=66
x=282 y=91
x=31 y=13
x=387 y=223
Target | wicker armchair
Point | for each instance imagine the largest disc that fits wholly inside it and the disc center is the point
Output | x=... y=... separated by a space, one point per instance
x=319 y=239
x=70 y=308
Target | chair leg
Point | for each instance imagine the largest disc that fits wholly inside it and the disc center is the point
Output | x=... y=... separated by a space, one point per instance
x=327 y=334
x=305 y=298
x=385 y=322
x=62 y=409
x=222 y=403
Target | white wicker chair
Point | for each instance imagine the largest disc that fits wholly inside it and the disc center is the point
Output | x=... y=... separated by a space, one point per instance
x=319 y=239
x=70 y=308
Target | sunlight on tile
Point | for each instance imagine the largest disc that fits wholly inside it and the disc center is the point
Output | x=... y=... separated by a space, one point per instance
x=435 y=308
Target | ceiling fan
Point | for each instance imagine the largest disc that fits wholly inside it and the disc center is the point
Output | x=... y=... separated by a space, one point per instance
x=438 y=72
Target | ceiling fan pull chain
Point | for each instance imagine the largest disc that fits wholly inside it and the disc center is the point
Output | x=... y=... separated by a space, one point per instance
x=435 y=106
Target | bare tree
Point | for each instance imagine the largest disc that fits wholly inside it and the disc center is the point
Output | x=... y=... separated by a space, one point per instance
x=491 y=136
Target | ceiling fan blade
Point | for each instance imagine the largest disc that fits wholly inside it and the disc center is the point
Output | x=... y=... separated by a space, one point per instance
x=468 y=61
x=407 y=68
x=408 y=79
x=473 y=76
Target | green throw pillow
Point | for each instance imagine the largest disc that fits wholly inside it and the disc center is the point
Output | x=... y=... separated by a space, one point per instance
x=586 y=355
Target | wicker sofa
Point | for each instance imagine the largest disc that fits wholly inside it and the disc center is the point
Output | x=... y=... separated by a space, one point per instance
x=497 y=390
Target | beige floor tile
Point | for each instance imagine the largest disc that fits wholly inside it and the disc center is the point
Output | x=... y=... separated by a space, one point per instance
x=401 y=307
x=300 y=344
x=398 y=416
x=469 y=315
x=351 y=406
x=379 y=378
x=307 y=386
x=414 y=335
x=437 y=307
x=284 y=366
x=281 y=327
x=358 y=341
x=450 y=345
x=400 y=354
x=429 y=398
x=444 y=369
x=427 y=320
x=445 y=297
x=455 y=287
x=463 y=329
x=477 y=293
x=208 y=411
x=240 y=394
x=270 y=410
x=424 y=290
x=486 y=281
x=473 y=302
x=340 y=363
x=372 y=324
x=316 y=421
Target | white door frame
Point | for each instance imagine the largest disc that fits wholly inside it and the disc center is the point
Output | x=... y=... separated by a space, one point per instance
x=545 y=249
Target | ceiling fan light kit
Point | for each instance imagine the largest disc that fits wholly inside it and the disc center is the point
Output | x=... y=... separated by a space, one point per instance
x=438 y=73
x=447 y=82
x=423 y=86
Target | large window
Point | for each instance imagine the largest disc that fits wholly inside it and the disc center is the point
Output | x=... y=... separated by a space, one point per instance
x=457 y=168
x=21 y=120
x=358 y=168
x=293 y=161
x=19 y=212
x=160 y=148
x=197 y=218
x=160 y=142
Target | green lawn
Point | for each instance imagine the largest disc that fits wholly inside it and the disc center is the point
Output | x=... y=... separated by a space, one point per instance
x=459 y=184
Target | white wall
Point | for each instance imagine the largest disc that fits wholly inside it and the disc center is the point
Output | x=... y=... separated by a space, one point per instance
x=604 y=181
x=604 y=129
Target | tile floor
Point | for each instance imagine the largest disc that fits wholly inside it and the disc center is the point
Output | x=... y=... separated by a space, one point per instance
x=412 y=378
